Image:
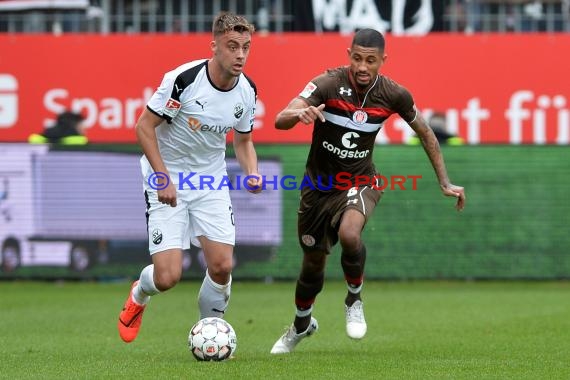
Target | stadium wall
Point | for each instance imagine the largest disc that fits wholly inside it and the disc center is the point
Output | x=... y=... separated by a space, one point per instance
x=494 y=88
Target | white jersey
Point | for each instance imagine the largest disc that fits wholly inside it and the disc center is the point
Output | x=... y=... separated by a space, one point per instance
x=197 y=117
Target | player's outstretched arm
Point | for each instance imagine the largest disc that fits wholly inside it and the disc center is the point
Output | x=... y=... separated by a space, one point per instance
x=432 y=149
x=298 y=111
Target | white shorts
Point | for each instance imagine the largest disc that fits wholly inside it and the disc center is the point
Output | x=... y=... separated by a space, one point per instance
x=205 y=213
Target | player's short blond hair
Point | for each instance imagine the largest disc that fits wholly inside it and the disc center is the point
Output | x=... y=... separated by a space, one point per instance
x=228 y=22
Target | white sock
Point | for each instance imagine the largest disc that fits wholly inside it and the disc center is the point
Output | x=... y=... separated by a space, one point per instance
x=303 y=313
x=213 y=298
x=145 y=288
x=355 y=290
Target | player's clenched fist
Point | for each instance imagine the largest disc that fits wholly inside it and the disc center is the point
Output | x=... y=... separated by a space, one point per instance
x=254 y=183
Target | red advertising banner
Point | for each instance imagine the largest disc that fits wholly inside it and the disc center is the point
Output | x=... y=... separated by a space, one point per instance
x=507 y=88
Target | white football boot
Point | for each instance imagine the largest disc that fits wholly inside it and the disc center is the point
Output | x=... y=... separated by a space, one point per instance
x=355 y=322
x=287 y=342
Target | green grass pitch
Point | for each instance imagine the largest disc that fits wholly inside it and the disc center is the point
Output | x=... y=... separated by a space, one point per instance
x=416 y=330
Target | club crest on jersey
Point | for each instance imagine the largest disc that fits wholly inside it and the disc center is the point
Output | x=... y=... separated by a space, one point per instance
x=360 y=117
x=238 y=110
x=308 y=90
x=308 y=240
x=156 y=236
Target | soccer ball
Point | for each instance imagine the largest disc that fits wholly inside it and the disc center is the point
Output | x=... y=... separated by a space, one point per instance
x=212 y=339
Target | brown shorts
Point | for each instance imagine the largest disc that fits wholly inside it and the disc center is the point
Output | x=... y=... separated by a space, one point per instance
x=320 y=212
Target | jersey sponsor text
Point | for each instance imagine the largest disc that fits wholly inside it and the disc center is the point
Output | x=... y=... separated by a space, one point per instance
x=345 y=153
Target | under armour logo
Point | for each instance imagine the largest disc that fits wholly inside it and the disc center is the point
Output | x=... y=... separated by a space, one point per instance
x=342 y=91
x=178 y=89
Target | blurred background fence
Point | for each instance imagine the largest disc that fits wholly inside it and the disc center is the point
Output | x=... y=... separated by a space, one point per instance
x=175 y=16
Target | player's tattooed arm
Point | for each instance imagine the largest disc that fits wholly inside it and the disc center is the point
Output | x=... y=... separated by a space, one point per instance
x=433 y=151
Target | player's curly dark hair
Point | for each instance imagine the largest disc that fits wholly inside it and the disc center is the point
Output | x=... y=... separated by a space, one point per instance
x=227 y=22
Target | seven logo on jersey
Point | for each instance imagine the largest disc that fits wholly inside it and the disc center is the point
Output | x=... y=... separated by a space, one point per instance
x=342 y=91
x=195 y=125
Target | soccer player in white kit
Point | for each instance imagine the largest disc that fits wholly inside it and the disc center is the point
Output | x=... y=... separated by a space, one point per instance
x=182 y=133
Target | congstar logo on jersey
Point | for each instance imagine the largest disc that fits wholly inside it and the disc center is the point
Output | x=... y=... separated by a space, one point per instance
x=348 y=141
x=196 y=126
